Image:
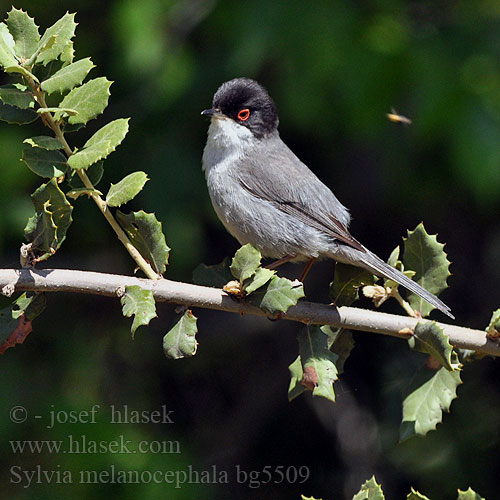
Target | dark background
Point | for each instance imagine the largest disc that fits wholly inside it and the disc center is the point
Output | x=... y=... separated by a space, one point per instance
x=334 y=69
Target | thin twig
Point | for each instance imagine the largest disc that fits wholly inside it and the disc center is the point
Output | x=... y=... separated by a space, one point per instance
x=61 y=280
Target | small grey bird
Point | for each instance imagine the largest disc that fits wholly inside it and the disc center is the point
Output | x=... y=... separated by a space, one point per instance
x=264 y=195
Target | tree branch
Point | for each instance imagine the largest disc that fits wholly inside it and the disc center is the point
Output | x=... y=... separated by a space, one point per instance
x=61 y=280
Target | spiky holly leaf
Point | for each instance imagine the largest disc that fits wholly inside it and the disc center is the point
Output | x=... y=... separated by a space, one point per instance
x=17 y=95
x=46 y=230
x=101 y=144
x=370 y=490
x=415 y=495
x=127 y=189
x=180 y=341
x=470 y=494
x=45 y=163
x=94 y=173
x=315 y=368
x=424 y=255
x=344 y=289
x=214 y=276
x=61 y=32
x=68 y=77
x=24 y=31
x=303 y=497
x=245 y=262
x=7 y=47
x=88 y=100
x=430 y=338
x=44 y=142
x=423 y=407
x=15 y=115
x=258 y=279
x=145 y=233
x=277 y=295
x=15 y=320
x=140 y=303
x=493 y=329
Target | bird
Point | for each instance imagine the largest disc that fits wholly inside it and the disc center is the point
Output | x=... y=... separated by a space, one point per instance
x=264 y=195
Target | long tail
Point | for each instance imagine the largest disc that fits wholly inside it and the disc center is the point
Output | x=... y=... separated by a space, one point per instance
x=379 y=267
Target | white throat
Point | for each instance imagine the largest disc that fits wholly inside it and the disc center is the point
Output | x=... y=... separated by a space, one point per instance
x=227 y=141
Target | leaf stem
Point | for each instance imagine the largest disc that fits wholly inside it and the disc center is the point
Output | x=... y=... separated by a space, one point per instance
x=404 y=304
x=102 y=205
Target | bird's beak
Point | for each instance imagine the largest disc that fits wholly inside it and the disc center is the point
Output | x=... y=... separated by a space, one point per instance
x=212 y=112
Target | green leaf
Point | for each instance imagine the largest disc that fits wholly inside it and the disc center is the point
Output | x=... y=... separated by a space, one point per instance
x=24 y=31
x=46 y=230
x=69 y=129
x=370 y=490
x=470 y=494
x=14 y=96
x=424 y=255
x=140 y=303
x=45 y=163
x=315 y=368
x=145 y=233
x=94 y=173
x=278 y=295
x=344 y=289
x=126 y=189
x=101 y=144
x=423 y=407
x=340 y=342
x=30 y=304
x=394 y=261
x=180 y=340
x=303 y=497
x=245 y=262
x=493 y=329
x=7 y=50
x=44 y=142
x=22 y=70
x=68 y=77
x=430 y=338
x=415 y=495
x=13 y=114
x=61 y=32
x=259 y=279
x=214 y=276
x=89 y=100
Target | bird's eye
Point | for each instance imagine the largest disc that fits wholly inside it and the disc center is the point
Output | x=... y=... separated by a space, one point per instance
x=244 y=115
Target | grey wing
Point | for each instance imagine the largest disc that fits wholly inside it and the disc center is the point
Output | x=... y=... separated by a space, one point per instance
x=280 y=178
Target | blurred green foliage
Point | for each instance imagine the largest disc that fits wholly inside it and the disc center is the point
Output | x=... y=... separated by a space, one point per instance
x=334 y=69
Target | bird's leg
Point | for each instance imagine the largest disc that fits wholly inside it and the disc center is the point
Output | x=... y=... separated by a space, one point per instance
x=307 y=269
x=278 y=262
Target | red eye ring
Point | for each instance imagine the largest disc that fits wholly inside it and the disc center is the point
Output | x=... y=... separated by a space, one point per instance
x=244 y=115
